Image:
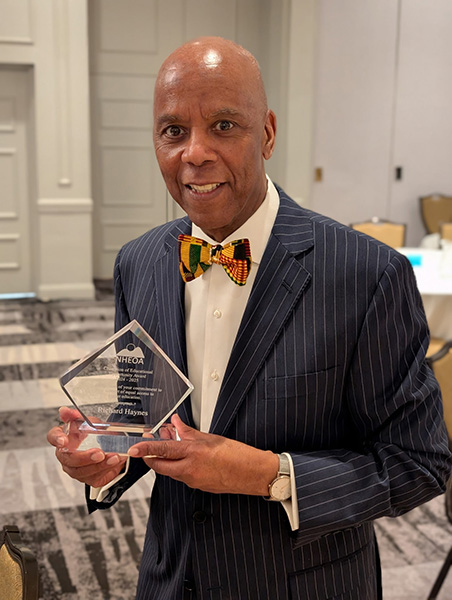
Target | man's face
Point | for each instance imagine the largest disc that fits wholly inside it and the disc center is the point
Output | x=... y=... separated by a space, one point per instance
x=211 y=136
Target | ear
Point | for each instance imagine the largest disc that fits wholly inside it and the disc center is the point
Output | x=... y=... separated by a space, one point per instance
x=269 y=135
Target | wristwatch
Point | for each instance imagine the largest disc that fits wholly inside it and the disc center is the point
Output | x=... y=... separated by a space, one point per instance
x=280 y=488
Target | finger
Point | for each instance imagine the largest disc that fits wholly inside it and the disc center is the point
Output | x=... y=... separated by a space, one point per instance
x=80 y=458
x=171 y=468
x=185 y=431
x=56 y=437
x=69 y=414
x=90 y=462
x=94 y=475
x=167 y=432
x=168 y=449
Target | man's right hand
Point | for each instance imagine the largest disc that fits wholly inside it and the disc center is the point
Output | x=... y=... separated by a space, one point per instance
x=93 y=467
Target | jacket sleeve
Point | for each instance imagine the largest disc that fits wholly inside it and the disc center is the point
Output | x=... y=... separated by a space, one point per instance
x=401 y=457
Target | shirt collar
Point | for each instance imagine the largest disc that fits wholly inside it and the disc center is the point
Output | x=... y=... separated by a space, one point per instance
x=258 y=227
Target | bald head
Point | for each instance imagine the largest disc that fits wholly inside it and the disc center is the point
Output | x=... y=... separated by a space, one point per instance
x=215 y=58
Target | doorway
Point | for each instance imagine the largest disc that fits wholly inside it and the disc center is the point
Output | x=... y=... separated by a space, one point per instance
x=15 y=206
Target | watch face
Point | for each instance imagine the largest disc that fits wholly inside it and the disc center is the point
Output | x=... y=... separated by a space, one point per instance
x=280 y=488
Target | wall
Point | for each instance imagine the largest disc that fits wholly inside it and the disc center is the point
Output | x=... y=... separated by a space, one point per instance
x=50 y=36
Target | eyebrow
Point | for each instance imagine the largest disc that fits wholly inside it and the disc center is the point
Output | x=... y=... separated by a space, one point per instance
x=224 y=112
x=167 y=119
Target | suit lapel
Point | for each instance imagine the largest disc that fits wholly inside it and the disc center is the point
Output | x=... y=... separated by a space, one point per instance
x=170 y=306
x=280 y=281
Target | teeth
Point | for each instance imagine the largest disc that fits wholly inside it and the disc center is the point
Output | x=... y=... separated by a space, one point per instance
x=204 y=188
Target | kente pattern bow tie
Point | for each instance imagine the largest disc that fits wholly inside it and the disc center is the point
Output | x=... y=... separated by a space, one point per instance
x=197 y=255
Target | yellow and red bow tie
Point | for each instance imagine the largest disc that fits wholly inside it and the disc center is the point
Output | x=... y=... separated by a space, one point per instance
x=197 y=255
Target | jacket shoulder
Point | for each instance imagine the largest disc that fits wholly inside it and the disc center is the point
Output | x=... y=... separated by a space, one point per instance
x=323 y=229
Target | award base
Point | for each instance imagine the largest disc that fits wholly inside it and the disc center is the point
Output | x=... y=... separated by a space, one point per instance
x=105 y=436
x=112 y=437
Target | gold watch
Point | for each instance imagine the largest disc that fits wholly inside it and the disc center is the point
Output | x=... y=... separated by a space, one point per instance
x=280 y=488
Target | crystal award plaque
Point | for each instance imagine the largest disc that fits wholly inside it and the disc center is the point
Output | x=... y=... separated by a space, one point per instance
x=125 y=391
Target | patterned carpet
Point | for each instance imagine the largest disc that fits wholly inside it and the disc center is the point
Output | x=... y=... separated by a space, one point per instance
x=97 y=556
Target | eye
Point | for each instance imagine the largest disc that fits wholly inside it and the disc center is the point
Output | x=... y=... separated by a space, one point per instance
x=173 y=131
x=224 y=125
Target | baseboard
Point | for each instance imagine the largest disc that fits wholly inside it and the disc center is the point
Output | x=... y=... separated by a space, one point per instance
x=64 y=291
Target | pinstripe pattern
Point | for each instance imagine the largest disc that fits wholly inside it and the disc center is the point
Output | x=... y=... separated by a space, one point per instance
x=328 y=365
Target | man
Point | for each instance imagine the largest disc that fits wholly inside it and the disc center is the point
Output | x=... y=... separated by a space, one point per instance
x=313 y=413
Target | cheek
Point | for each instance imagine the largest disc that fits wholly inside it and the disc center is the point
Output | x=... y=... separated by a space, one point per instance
x=168 y=161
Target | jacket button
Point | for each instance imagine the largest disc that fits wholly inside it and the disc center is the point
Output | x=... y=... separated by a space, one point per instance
x=199 y=516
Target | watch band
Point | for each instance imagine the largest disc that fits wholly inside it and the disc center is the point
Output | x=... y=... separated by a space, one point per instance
x=284 y=465
x=280 y=488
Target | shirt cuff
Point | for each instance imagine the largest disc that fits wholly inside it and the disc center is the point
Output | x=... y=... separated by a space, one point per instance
x=100 y=493
x=291 y=505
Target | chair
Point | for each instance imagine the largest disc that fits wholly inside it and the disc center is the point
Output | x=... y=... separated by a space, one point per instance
x=445 y=231
x=435 y=345
x=435 y=209
x=19 y=577
x=392 y=234
x=441 y=363
x=439 y=357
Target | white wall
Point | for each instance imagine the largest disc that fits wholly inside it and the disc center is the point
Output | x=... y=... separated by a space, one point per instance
x=51 y=36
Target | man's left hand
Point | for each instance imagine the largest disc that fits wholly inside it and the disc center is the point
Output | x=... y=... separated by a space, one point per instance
x=209 y=462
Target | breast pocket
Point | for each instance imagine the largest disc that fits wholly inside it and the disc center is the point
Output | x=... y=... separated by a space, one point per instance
x=302 y=385
x=306 y=406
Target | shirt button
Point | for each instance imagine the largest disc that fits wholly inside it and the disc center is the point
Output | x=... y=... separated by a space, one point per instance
x=217 y=313
x=199 y=516
x=214 y=376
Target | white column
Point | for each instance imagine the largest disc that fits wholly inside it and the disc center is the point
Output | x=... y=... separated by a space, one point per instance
x=63 y=237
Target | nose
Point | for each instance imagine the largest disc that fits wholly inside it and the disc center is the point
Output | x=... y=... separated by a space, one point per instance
x=198 y=148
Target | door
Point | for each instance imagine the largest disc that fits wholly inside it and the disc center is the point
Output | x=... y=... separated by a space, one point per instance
x=354 y=91
x=15 y=246
x=423 y=120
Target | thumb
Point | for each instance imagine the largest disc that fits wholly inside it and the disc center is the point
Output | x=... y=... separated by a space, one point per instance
x=68 y=413
x=185 y=432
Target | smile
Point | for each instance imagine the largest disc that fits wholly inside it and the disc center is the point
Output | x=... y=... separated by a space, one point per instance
x=203 y=189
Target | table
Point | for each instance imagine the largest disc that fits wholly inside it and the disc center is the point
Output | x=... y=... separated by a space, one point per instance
x=433 y=271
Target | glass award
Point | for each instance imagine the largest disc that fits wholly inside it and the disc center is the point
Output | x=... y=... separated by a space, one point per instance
x=125 y=392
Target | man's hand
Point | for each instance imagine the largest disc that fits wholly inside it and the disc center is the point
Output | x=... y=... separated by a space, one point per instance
x=93 y=467
x=209 y=462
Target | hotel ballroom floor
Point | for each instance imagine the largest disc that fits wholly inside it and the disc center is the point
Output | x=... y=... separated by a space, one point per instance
x=96 y=556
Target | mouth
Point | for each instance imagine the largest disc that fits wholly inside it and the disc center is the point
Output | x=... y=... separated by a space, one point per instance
x=203 y=189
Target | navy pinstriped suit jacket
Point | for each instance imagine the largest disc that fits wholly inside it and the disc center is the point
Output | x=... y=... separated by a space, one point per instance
x=328 y=365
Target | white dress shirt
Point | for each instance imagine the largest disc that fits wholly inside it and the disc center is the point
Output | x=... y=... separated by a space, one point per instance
x=214 y=306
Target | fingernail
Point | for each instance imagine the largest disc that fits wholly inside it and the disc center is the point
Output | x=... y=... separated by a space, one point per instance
x=113 y=460
x=133 y=452
x=61 y=441
x=97 y=456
